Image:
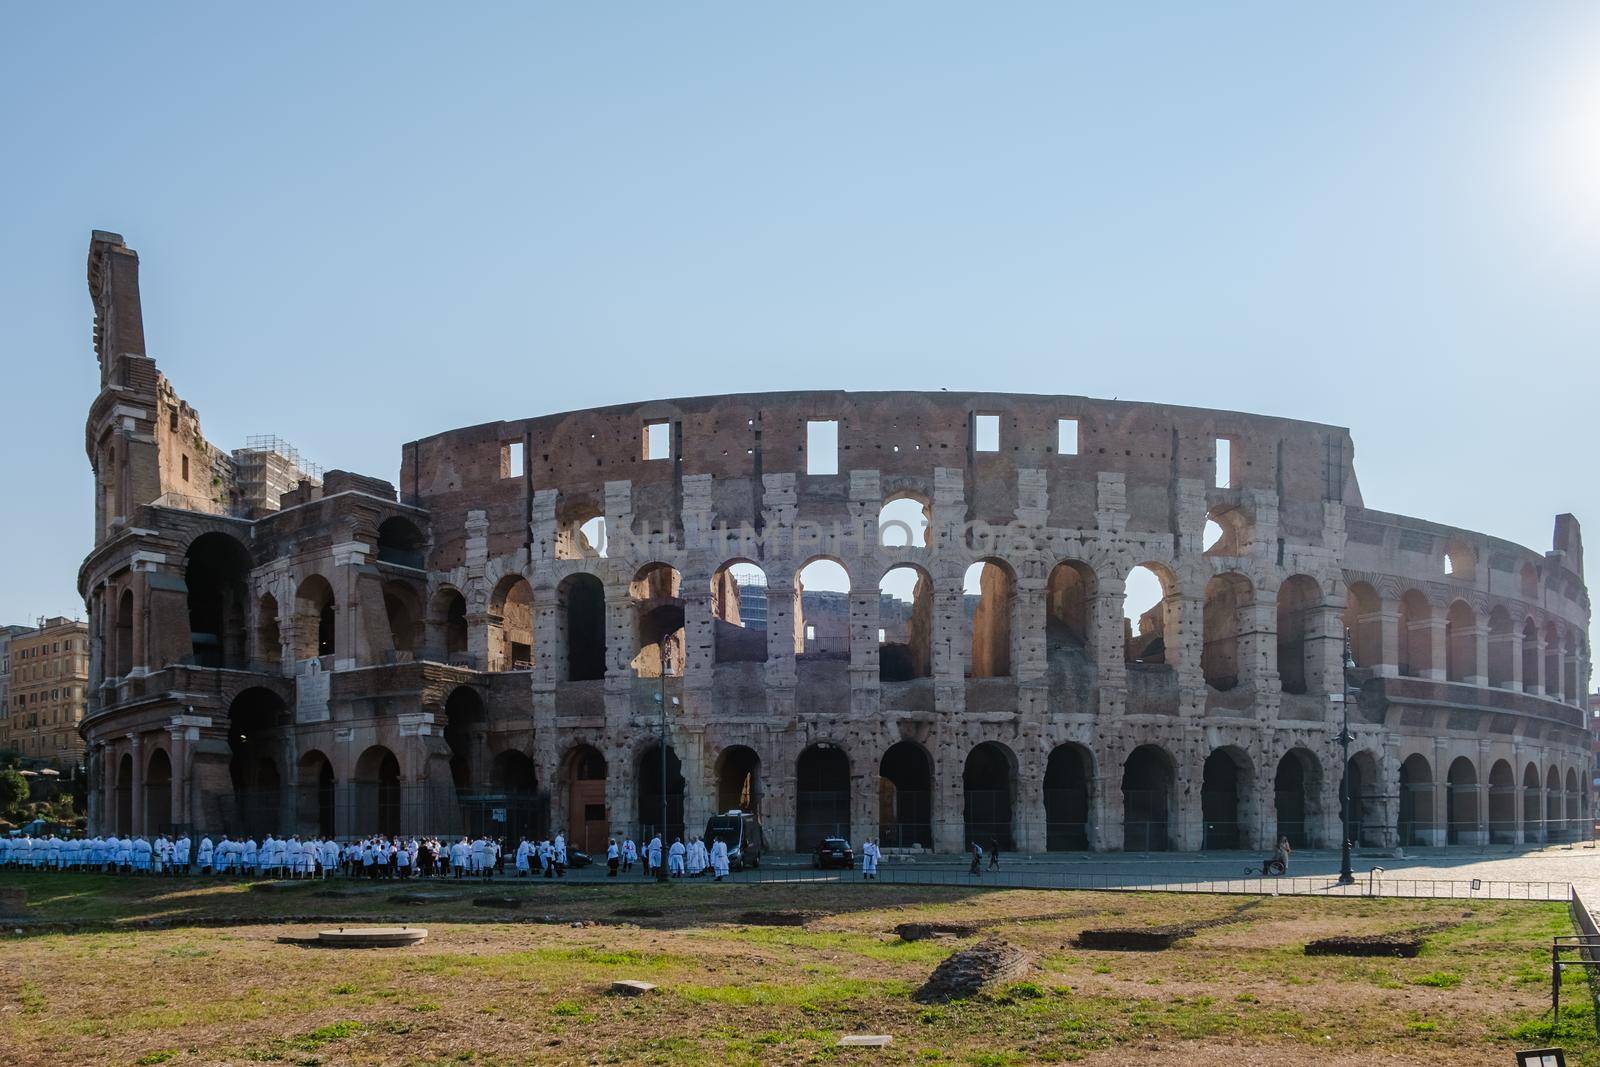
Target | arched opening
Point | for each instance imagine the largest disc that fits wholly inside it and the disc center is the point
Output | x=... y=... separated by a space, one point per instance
x=256 y=721
x=1552 y=662
x=989 y=587
x=1461 y=803
x=513 y=808
x=1363 y=622
x=1224 y=785
x=1459 y=561
x=822 y=625
x=822 y=795
x=1067 y=775
x=314 y=609
x=511 y=625
x=658 y=621
x=1460 y=642
x=1299 y=601
x=1148 y=777
x=401 y=543
x=1296 y=788
x=1533 y=829
x=1226 y=533
x=1365 y=800
x=1500 y=638
x=1416 y=818
x=651 y=794
x=1227 y=598
x=1554 y=816
x=1502 y=804
x=1569 y=669
x=1530 y=656
x=377 y=787
x=588 y=824
x=448 y=620
x=905 y=797
x=905 y=624
x=905 y=522
x=125 y=795
x=269 y=636
x=124 y=643
x=403 y=609
x=1571 y=825
x=1150 y=611
x=158 y=793
x=1068 y=593
x=317 y=806
x=582 y=605
x=739 y=613
x=463 y=729
x=988 y=791
x=739 y=780
x=582 y=536
x=1416 y=634
x=217 y=573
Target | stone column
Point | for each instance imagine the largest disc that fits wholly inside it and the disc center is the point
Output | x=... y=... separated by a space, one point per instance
x=1429 y=633
x=1029 y=662
x=136 y=747
x=1388 y=619
x=782 y=618
x=1512 y=640
x=1107 y=643
x=865 y=617
x=1440 y=832
x=1185 y=640
x=1535 y=686
x=1479 y=635
x=699 y=636
x=1105 y=809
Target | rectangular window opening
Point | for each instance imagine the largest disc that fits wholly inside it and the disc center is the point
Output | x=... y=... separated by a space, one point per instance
x=185 y=468
x=511 y=459
x=1067 y=437
x=1225 y=471
x=658 y=440
x=986 y=433
x=822 y=446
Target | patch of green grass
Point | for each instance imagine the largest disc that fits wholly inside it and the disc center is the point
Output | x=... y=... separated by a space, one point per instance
x=833 y=991
x=159 y=1056
x=323 y=1035
x=1439 y=980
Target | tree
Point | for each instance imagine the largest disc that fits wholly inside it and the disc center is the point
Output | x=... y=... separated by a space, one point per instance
x=13 y=792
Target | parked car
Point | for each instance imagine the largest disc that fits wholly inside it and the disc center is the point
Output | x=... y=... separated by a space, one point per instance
x=741 y=832
x=576 y=859
x=833 y=852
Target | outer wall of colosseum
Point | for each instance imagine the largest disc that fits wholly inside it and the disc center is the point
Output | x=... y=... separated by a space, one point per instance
x=469 y=651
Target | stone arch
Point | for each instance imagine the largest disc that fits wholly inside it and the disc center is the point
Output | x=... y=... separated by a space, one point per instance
x=1149 y=793
x=257 y=720
x=652 y=793
x=1227 y=532
x=1552 y=661
x=125 y=795
x=1227 y=782
x=1069 y=606
x=1299 y=602
x=1460 y=561
x=993 y=581
x=905 y=796
x=1460 y=642
x=989 y=793
x=1068 y=797
x=738 y=770
x=447 y=619
x=584 y=772
x=1461 y=803
x=581 y=606
x=739 y=612
x=1533 y=828
x=1297 y=793
x=905 y=624
x=1416 y=823
x=1502 y=803
x=1415 y=629
x=402 y=544
x=317 y=808
x=217 y=575
x=1228 y=597
x=158 y=792
x=514 y=792
x=511 y=624
x=1573 y=797
x=1157 y=613
x=822 y=794
x=464 y=722
x=124 y=632
x=1363 y=622
x=658 y=610
x=1500 y=668
x=822 y=623
x=315 y=610
x=1530 y=655
x=905 y=521
x=1365 y=799
x=403 y=609
x=378 y=792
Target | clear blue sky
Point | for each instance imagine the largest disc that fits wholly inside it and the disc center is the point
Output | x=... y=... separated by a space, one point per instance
x=361 y=224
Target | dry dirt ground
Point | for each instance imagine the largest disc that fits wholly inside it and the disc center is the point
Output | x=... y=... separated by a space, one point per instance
x=525 y=985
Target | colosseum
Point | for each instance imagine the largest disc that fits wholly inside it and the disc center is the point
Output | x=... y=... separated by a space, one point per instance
x=925 y=617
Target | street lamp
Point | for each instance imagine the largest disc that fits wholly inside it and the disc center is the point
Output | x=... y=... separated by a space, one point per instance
x=1346 y=875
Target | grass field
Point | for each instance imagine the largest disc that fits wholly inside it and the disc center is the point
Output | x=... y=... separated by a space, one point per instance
x=497 y=987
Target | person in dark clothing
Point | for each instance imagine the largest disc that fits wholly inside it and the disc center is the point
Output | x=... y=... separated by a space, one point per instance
x=994 y=853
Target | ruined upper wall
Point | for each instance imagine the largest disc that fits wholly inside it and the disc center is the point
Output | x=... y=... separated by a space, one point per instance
x=903 y=435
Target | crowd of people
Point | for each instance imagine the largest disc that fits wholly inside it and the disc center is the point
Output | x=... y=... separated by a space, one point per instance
x=376 y=857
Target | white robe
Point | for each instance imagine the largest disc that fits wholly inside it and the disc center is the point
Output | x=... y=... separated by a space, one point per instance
x=719 y=859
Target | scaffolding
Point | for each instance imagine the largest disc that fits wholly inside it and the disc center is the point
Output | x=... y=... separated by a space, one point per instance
x=268 y=466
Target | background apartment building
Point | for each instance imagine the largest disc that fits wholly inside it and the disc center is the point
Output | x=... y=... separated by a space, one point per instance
x=47 y=678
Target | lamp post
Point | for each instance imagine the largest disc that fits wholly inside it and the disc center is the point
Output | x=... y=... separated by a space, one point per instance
x=1346 y=875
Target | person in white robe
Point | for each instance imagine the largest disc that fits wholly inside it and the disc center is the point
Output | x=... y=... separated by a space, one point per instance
x=698 y=858
x=523 y=851
x=719 y=858
x=675 y=858
x=655 y=854
x=182 y=849
x=869 y=859
x=630 y=855
x=561 y=855
x=204 y=855
x=460 y=857
x=547 y=858
x=613 y=857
